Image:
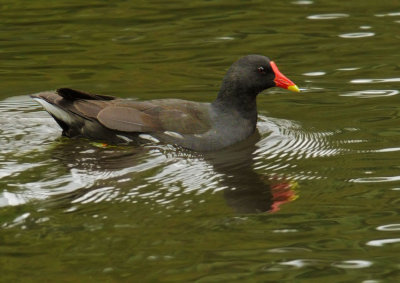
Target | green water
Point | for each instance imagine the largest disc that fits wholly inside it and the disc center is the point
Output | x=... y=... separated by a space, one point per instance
x=313 y=196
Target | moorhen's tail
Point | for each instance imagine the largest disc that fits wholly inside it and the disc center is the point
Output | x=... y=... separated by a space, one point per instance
x=60 y=105
x=72 y=95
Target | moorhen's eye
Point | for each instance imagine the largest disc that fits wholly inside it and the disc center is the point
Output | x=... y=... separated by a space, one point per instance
x=261 y=69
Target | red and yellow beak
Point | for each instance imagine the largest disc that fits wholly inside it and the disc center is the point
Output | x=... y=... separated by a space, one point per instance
x=282 y=81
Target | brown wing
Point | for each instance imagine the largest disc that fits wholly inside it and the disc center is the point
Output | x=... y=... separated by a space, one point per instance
x=184 y=117
x=127 y=119
x=174 y=115
x=190 y=120
x=89 y=108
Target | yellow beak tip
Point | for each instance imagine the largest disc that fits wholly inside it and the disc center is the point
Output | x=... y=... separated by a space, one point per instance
x=293 y=88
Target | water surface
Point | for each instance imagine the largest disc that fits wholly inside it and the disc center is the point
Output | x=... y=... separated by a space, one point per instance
x=313 y=195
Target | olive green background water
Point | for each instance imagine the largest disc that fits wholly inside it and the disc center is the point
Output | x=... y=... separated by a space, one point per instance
x=313 y=196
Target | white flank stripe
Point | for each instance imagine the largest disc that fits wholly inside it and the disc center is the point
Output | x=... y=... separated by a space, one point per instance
x=124 y=138
x=173 y=134
x=148 y=137
x=57 y=112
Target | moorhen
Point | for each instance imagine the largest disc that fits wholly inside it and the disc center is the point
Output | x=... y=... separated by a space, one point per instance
x=231 y=118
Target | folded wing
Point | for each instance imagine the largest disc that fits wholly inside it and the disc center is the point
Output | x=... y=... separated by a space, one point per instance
x=129 y=116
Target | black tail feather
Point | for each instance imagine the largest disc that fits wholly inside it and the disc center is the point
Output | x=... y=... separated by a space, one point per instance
x=72 y=95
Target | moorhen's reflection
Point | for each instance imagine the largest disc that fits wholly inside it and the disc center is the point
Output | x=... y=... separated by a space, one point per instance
x=246 y=191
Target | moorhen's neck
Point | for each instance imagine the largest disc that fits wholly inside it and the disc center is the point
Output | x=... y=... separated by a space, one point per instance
x=235 y=95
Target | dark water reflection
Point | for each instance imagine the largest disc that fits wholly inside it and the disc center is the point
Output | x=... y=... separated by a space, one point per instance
x=231 y=171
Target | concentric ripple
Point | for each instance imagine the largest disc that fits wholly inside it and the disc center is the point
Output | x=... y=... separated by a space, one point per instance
x=356 y=34
x=372 y=93
x=303 y=2
x=373 y=81
x=328 y=16
x=286 y=142
x=287 y=138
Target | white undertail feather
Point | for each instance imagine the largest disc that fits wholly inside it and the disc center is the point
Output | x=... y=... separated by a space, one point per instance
x=55 y=111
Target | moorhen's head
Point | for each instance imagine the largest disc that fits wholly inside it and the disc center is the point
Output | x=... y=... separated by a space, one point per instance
x=252 y=74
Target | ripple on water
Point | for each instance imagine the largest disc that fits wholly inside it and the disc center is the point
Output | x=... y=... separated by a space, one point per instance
x=389 y=227
x=285 y=141
x=373 y=81
x=19 y=220
x=371 y=93
x=11 y=199
x=383 y=242
x=305 y=263
x=288 y=139
x=314 y=74
x=353 y=264
x=349 y=69
x=376 y=179
x=225 y=38
x=23 y=129
x=289 y=250
x=356 y=34
x=328 y=16
x=393 y=14
x=299 y=263
x=97 y=195
x=303 y=2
